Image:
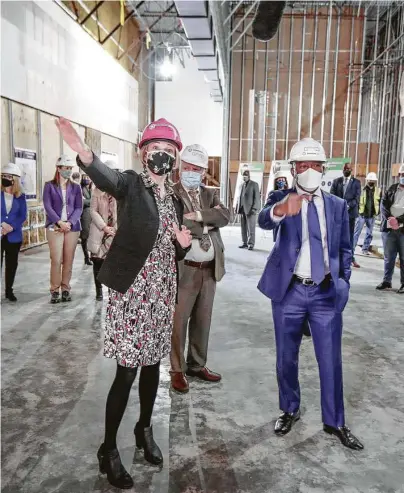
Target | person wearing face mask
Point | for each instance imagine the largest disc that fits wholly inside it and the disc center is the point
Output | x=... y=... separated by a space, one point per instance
x=248 y=206
x=13 y=216
x=369 y=208
x=63 y=204
x=307 y=277
x=86 y=188
x=202 y=268
x=140 y=270
x=103 y=228
x=392 y=228
x=280 y=181
x=349 y=188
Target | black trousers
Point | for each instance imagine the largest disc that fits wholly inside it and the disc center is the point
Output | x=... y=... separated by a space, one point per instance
x=352 y=222
x=97 y=264
x=10 y=251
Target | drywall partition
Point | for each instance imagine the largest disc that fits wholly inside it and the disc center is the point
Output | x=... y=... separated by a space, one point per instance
x=51 y=64
x=186 y=102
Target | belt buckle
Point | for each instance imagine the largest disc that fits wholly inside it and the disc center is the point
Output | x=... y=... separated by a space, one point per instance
x=307 y=282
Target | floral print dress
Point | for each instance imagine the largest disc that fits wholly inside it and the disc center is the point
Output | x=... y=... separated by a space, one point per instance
x=139 y=323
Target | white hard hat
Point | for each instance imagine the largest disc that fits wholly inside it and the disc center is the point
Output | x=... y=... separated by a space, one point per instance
x=280 y=174
x=11 y=169
x=307 y=149
x=401 y=170
x=65 y=161
x=196 y=155
x=371 y=176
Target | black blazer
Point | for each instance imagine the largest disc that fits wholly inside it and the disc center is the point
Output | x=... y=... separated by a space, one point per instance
x=138 y=223
x=385 y=205
x=352 y=194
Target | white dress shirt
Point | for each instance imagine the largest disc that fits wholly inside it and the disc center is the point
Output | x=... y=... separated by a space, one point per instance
x=8 y=199
x=303 y=263
x=196 y=254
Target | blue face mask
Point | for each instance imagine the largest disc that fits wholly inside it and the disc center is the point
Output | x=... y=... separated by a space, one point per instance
x=191 y=179
x=401 y=180
x=282 y=184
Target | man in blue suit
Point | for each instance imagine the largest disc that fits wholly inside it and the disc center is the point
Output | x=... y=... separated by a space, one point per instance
x=307 y=277
x=349 y=188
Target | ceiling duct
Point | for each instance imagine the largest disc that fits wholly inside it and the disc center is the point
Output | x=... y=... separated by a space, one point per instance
x=197 y=25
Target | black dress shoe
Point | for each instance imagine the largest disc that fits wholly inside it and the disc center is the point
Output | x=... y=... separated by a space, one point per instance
x=145 y=441
x=399 y=291
x=87 y=261
x=285 y=422
x=111 y=465
x=384 y=285
x=243 y=246
x=10 y=295
x=251 y=247
x=345 y=436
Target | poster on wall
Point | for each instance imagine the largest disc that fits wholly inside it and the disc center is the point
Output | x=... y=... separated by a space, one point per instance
x=333 y=171
x=256 y=170
x=26 y=160
x=110 y=156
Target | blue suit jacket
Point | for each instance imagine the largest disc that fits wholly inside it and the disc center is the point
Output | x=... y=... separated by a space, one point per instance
x=281 y=263
x=352 y=195
x=15 y=218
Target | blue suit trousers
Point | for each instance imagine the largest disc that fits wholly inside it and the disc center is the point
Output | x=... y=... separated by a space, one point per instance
x=317 y=304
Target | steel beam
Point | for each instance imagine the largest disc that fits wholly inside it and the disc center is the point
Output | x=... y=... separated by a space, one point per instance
x=334 y=92
x=372 y=92
x=242 y=20
x=360 y=93
x=348 y=104
x=326 y=66
x=313 y=72
x=301 y=77
x=278 y=64
x=289 y=87
x=92 y=11
x=233 y=12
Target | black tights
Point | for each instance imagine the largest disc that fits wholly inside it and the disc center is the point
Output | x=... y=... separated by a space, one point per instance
x=119 y=394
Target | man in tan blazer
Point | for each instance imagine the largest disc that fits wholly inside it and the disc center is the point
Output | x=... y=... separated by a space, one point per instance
x=198 y=273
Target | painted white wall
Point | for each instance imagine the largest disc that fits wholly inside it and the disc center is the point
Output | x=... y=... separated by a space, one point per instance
x=50 y=63
x=185 y=101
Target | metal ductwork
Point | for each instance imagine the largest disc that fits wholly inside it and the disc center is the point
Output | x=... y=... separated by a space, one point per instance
x=197 y=24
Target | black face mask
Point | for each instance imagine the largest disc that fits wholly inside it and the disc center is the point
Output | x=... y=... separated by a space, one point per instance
x=160 y=162
x=347 y=173
x=6 y=182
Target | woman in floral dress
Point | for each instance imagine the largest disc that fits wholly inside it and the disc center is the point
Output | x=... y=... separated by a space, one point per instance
x=141 y=272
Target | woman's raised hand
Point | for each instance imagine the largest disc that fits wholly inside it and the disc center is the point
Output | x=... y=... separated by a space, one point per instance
x=183 y=235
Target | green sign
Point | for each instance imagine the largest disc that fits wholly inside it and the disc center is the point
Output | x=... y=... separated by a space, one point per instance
x=337 y=163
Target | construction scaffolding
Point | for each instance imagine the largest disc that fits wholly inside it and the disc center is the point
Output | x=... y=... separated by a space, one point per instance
x=332 y=73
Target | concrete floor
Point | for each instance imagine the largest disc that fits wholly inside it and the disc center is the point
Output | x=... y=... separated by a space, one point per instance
x=218 y=438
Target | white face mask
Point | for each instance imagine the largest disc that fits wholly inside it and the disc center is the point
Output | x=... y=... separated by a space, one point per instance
x=310 y=179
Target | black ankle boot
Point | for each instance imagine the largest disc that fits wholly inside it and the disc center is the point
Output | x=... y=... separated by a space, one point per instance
x=10 y=295
x=111 y=465
x=145 y=441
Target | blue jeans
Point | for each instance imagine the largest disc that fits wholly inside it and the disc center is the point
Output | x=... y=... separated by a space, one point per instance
x=360 y=222
x=393 y=242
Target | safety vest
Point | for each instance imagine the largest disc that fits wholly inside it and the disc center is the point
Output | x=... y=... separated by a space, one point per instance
x=376 y=198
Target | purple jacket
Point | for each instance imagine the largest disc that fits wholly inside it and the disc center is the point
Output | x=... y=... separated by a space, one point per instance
x=53 y=204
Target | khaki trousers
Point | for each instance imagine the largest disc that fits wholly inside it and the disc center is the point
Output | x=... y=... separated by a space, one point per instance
x=196 y=292
x=62 y=247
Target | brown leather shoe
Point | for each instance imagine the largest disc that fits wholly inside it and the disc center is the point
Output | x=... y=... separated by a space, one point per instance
x=205 y=374
x=179 y=383
x=355 y=264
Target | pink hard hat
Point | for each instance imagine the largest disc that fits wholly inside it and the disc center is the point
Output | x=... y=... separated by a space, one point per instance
x=161 y=130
